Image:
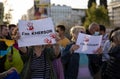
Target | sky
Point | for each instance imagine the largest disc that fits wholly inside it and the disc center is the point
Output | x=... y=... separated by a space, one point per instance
x=21 y=6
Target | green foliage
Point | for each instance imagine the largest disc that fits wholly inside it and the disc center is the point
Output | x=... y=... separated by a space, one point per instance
x=96 y=14
x=90 y=3
x=103 y=3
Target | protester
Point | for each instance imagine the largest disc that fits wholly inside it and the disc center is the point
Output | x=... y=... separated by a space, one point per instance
x=106 y=49
x=112 y=70
x=104 y=38
x=11 y=28
x=63 y=41
x=107 y=44
x=95 y=59
x=39 y=63
x=104 y=34
x=10 y=56
x=75 y=64
x=60 y=29
x=4 y=32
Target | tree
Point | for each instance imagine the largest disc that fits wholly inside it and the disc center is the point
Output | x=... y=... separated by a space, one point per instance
x=8 y=16
x=103 y=3
x=98 y=15
x=90 y=3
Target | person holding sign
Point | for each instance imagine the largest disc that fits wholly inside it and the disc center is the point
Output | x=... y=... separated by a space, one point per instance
x=95 y=59
x=39 y=60
x=75 y=64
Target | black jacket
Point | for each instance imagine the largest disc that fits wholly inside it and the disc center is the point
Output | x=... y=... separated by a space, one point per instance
x=113 y=66
x=3 y=46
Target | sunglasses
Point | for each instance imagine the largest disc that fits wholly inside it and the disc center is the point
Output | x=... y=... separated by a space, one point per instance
x=82 y=32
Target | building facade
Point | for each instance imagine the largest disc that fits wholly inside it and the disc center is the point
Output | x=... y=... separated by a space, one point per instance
x=114 y=12
x=62 y=14
x=7 y=11
x=30 y=14
x=77 y=15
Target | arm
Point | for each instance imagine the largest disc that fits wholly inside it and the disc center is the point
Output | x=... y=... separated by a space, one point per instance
x=5 y=73
x=56 y=49
x=52 y=51
x=23 y=49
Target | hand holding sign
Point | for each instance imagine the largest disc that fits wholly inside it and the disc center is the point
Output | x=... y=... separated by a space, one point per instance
x=88 y=44
x=98 y=51
x=74 y=47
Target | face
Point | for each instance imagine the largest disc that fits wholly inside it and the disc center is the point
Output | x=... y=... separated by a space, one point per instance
x=4 y=31
x=101 y=32
x=94 y=29
x=59 y=31
x=11 y=30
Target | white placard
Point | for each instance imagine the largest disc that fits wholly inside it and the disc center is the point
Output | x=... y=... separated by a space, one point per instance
x=36 y=32
x=88 y=43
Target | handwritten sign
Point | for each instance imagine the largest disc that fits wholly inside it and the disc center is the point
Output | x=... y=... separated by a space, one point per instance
x=88 y=43
x=36 y=32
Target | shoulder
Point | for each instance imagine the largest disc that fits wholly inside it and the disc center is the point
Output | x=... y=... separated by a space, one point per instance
x=116 y=49
x=68 y=46
x=66 y=38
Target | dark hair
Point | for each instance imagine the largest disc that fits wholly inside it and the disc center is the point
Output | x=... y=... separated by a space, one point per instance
x=102 y=28
x=62 y=27
x=115 y=29
x=87 y=31
x=12 y=25
x=3 y=46
x=1 y=27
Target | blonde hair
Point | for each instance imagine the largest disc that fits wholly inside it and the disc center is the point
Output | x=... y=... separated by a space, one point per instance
x=75 y=30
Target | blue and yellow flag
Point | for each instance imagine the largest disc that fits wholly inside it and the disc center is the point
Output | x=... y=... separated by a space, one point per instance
x=4 y=49
x=8 y=42
x=4 y=52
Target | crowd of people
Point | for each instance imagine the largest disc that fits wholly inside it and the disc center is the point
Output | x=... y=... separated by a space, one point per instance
x=60 y=61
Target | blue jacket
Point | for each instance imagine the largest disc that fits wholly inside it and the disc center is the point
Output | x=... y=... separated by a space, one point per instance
x=71 y=63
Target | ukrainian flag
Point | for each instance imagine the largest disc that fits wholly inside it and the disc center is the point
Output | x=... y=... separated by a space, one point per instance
x=5 y=46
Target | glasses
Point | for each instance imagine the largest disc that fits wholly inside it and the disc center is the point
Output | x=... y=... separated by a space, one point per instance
x=82 y=32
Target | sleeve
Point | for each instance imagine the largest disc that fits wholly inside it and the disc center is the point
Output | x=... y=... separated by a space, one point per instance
x=50 y=53
x=66 y=54
x=115 y=52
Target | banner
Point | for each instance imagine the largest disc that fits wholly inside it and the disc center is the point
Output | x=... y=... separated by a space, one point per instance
x=36 y=32
x=41 y=8
x=88 y=43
